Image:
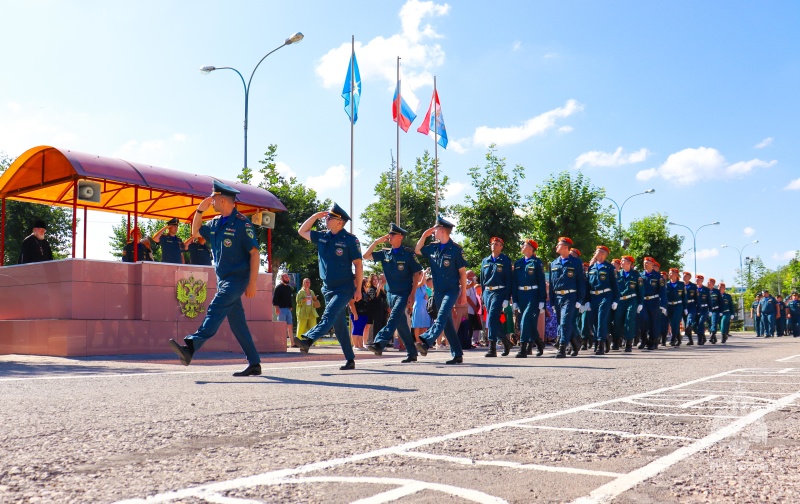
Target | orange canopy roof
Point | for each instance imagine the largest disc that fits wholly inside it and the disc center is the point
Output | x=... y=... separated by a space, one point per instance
x=48 y=175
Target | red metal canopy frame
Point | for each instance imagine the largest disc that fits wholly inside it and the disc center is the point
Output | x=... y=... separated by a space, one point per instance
x=48 y=175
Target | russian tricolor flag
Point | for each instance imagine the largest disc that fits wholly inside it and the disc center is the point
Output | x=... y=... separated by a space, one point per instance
x=434 y=121
x=407 y=115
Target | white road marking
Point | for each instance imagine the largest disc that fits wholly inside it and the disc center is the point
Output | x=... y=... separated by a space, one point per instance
x=221 y=499
x=743 y=382
x=734 y=392
x=512 y=465
x=652 y=413
x=612 y=432
x=787 y=359
x=611 y=490
x=785 y=371
x=699 y=401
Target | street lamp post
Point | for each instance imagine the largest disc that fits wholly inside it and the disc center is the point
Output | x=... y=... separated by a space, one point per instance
x=619 y=208
x=741 y=269
x=694 y=239
x=295 y=38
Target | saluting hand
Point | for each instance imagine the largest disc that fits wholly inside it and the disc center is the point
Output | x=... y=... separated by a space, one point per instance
x=205 y=204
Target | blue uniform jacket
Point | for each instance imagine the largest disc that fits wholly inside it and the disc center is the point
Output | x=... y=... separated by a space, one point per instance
x=496 y=273
x=630 y=285
x=602 y=276
x=726 y=304
x=768 y=305
x=703 y=298
x=336 y=254
x=171 y=248
x=654 y=285
x=676 y=294
x=399 y=266
x=199 y=254
x=714 y=300
x=567 y=275
x=231 y=239
x=446 y=259
x=691 y=296
x=528 y=273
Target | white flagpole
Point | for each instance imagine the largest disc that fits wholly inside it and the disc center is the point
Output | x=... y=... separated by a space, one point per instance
x=397 y=170
x=352 y=121
x=435 y=151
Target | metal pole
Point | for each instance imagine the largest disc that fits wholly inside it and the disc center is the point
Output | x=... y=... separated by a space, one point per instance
x=435 y=152
x=694 y=251
x=74 y=215
x=352 y=122
x=135 y=221
x=84 y=231
x=3 y=233
x=397 y=167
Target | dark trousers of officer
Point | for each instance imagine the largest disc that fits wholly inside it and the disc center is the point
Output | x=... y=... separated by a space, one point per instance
x=688 y=319
x=768 y=321
x=725 y=323
x=780 y=326
x=716 y=318
x=335 y=316
x=600 y=315
x=529 y=320
x=227 y=302
x=625 y=319
x=494 y=308
x=397 y=321
x=652 y=322
x=793 y=325
x=700 y=323
x=565 y=312
x=759 y=327
x=674 y=316
x=444 y=321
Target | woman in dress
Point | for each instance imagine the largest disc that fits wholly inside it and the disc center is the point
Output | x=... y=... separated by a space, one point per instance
x=420 y=320
x=306 y=313
x=376 y=305
x=359 y=318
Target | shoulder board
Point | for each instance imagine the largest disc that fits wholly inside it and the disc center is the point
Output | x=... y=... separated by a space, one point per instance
x=242 y=217
x=456 y=244
x=408 y=249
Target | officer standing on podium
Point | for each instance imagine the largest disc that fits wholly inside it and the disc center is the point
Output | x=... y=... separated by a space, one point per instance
x=496 y=273
x=338 y=252
x=236 y=253
x=402 y=273
x=528 y=293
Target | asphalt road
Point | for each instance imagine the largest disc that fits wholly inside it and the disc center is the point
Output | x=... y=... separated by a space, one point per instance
x=689 y=424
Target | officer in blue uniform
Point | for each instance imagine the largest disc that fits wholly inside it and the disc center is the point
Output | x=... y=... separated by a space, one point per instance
x=233 y=240
x=793 y=319
x=780 y=316
x=528 y=293
x=755 y=314
x=339 y=253
x=567 y=288
x=676 y=305
x=691 y=307
x=703 y=305
x=171 y=246
x=631 y=289
x=449 y=270
x=727 y=309
x=496 y=274
x=604 y=292
x=199 y=252
x=402 y=273
x=714 y=309
x=654 y=304
x=767 y=307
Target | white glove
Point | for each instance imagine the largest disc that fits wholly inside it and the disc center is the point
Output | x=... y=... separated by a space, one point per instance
x=663 y=310
x=505 y=304
x=579 y=307
x=587 y=306
x=639 y=309
x=541 y=306
x=516 y=307
x=686 y=312
x=614 y=306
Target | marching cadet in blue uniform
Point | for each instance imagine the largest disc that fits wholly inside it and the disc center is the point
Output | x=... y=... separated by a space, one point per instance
x=703 y=305
x=631 y=293
x=676 y=305
x=655 y=304
x=339 y=253
x=236 y=253
x=727 y=309
x=615 y=341
x=583 y=317
x=780 y=316
x=755 y=314
x=528 y=293
x=691 y=306
x=714 y=298
x=793 y=318
x=171 y=246
x=449 y=270
x=604 y=291
x=402 y=273
x=496 y=273
x=767 y=307
x=567 y=289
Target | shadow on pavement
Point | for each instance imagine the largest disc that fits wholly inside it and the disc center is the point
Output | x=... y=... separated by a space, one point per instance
x=294 y=381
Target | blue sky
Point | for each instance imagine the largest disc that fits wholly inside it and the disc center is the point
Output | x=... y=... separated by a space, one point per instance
x=695 y=99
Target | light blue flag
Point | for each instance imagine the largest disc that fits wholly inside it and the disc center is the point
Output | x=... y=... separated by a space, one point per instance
x=352 y=71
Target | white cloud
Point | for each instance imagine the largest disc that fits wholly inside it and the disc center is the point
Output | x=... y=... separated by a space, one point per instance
x=538 y=125
x=550 y=56
x=764 y=143
x=794 y=185
x=282 y=168
x=565 y=129
x=14 y=106
x=179 y=137
x=748 y=231
x=616 y=158
x=516 y=46
x=460 y=146
x=707 y=253
x=786 y=256
x=692 y=165
x=334 y=177
x=453 y=188
x=377 y=59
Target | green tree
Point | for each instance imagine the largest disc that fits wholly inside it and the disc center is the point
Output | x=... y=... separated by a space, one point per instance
x=650 y=236
x=491 y=207
x=19 y=219
x=569 y=205
x=149 y=227
x=417 y=201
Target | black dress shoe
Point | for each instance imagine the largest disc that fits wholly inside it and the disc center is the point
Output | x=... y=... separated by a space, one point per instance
x=351 y=364
x=375 y=348
x=422 y=347
x=183 y=352
x=303 y=343
x=408 y=359
x=455 y=360
x=251 y=370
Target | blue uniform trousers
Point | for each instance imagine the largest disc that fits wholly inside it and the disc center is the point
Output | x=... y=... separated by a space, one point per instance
x=227 y=302
x=793 y=325
x=565 y=312
x=768 y=321
x=599 y=316
x=759 y=327
x=716 y=317
x=335 y=316
x=494 y=307
x=397 y=321
x=674 y=316
x=444 y=321
x=625 y=319
x=700 y=322
x=725 y=323
x=689 y=320
x=652 y=322
x=529 y=320
x=780 y=326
